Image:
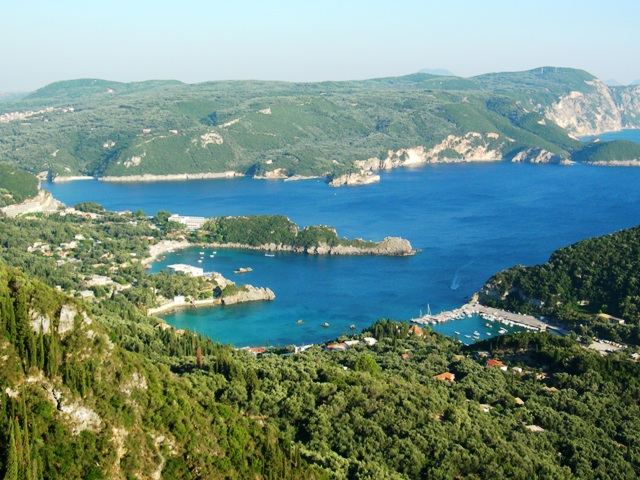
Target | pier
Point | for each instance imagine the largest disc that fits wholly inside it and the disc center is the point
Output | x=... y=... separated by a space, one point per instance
x=488 y=313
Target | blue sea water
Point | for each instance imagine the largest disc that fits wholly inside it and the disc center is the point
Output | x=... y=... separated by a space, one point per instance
x=470 y=220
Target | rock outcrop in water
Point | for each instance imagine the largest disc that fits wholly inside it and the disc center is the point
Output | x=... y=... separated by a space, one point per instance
x=249 y=293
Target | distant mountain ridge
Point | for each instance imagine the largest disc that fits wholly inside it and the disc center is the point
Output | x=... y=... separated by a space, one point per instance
x=278 y=129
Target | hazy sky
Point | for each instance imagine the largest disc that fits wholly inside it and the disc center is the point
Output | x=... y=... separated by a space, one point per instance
x=43 y=41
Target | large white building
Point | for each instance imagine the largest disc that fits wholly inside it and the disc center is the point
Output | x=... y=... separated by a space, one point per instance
x=192 y=223
x=186 y=269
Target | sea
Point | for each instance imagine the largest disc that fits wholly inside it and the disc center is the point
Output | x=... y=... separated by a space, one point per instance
x=469 y=220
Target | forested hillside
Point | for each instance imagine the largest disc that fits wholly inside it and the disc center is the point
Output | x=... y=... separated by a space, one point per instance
x=598 y=275
x=99 y=389
x=102 y=128
x=100 y=394
x=16 y=185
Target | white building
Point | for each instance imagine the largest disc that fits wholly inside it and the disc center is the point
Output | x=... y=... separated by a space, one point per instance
x=186 y=269
x=192 y=223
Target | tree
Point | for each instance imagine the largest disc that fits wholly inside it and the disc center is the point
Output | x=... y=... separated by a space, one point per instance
x=199 y=357
x=366 y=363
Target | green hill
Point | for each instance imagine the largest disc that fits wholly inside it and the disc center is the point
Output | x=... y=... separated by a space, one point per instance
x=97 y=127
x=578 y=282
x=617 y=150
x=16 y=185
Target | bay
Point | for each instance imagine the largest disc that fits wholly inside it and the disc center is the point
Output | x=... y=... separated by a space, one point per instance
x=470 y=220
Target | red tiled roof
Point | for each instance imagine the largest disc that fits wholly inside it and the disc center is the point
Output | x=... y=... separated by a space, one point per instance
x=416 y=330
x=495 y=363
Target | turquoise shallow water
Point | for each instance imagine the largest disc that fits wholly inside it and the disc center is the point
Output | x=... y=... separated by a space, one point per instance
x=470 y=221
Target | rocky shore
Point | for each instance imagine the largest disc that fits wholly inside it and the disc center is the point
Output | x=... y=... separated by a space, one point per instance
x=147 y=177
x=390 y=246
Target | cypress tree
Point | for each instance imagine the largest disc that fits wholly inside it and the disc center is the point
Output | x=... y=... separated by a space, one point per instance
x=11 y=472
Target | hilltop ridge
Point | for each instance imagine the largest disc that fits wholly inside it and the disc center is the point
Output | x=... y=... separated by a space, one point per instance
x=99 y=128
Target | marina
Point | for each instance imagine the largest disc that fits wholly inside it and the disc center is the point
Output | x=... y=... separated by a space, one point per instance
x=511 y=319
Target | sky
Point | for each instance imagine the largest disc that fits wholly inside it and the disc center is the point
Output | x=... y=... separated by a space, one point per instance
x=43 y=41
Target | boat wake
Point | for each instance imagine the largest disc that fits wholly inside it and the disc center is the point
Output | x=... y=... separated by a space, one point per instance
x=455 y=282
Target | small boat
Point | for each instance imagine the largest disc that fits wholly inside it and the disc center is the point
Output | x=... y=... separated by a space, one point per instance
x=269 y=255
x=211 y=255
x=467 y=336
x=476 y=334
x=200 y=260
x=201 y=253
x=325 y=324
x=487 y=325
x=352 y=327
x=457 y=333
x=489 y=333
x=214 y=252
x=502 y=331
x=300 y=322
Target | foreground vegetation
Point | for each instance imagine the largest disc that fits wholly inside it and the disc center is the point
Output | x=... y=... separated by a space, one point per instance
x=183 y=406
x=101 y=390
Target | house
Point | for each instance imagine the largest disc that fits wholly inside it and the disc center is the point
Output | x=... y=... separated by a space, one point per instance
x=482 y=354
x=519 y=401
x=370 y=341
x=486 y=408
x=446 y=376
x=415 y=330
x=496 y=363
x=256 y=350
x=337 y=347
x=405 y=355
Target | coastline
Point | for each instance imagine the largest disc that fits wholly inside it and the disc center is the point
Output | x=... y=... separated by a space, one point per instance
x=61 y=179
x=148 y=177
x=389 y=246
x=173 y=306
x=162 y=247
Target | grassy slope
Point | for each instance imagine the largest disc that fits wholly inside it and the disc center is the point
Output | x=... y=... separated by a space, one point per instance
x=16 y=185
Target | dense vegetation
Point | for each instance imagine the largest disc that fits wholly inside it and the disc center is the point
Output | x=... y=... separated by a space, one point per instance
x=617 y=150
x=158 y=401
x=598 y=275
x=259 y=230
x=16 y=185
x=98 y=127
x=78 y=406
x=188 y=408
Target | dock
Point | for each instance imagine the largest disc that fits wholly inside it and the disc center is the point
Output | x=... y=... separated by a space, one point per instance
x=490 y=314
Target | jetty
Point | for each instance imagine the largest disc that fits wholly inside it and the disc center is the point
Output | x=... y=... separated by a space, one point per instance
x=528 y=322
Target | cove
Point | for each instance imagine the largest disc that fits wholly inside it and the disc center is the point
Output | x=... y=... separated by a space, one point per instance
x=470 y=220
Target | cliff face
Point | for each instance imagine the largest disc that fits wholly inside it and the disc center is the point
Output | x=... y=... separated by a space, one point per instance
x=43 y=202
x=597 y=109
x=390 y=246
x=249 y=294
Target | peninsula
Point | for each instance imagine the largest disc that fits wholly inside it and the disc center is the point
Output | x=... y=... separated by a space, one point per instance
x=273 y=233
